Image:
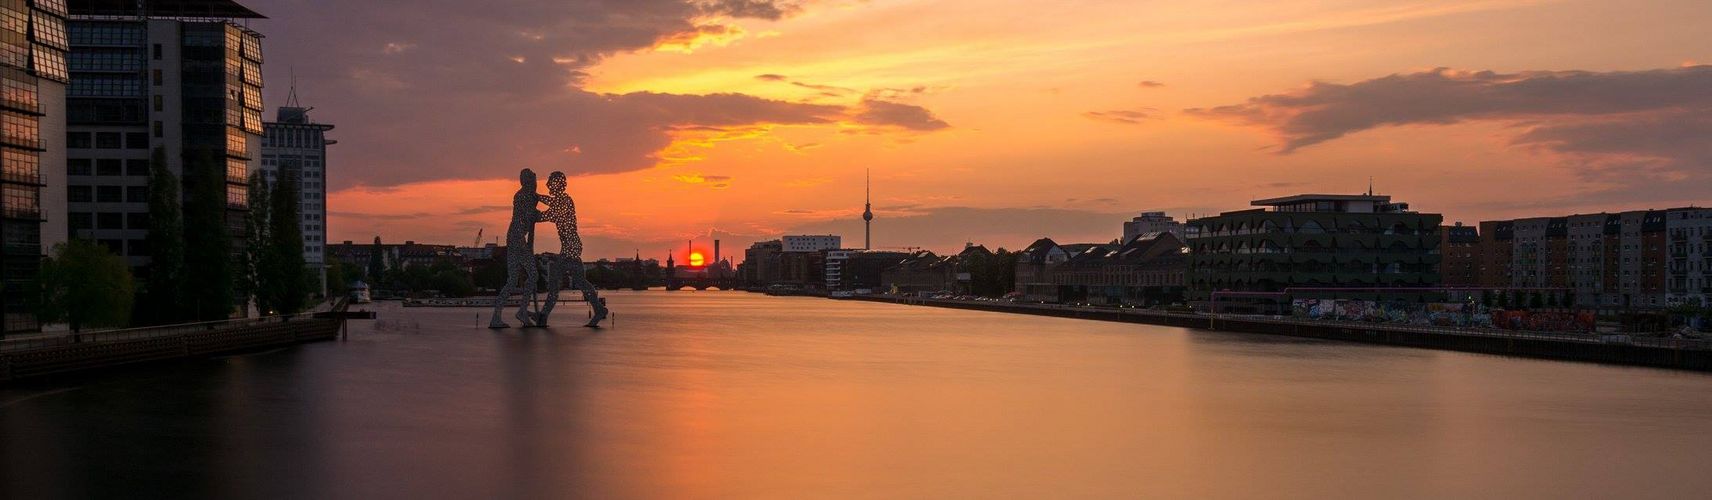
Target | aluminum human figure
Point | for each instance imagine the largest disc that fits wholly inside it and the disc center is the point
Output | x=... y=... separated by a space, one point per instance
x=520 y=251
x=562 y=212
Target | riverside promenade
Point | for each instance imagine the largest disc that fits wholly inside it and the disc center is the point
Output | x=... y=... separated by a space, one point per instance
x=1684 y=354
x=63 y=352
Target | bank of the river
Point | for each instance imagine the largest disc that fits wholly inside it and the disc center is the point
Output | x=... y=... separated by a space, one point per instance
x=1655 y=352
x=48 y=355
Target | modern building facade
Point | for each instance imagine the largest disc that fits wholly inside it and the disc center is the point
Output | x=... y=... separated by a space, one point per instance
x=32 y=126
x=1151 y=222
x=183 y=77
x=294 y=149
x=851 y=270
x=1313 y=246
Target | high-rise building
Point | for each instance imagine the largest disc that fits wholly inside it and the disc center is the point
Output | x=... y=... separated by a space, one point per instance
x=32 y=108
x=294 y=149
x=182 y=76
x=811 y=242
x=1313 y=246
x=1151 y=222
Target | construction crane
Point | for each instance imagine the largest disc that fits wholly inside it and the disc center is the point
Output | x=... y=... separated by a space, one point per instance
x=478 y=237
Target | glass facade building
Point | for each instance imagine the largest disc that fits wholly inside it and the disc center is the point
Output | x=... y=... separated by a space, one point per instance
x=32 y=60
x=182 y=77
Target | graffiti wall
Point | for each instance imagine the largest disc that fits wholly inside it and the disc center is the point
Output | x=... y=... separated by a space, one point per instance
x=1440 y=314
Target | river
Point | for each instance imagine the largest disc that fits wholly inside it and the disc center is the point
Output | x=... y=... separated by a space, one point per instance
x=733 y=395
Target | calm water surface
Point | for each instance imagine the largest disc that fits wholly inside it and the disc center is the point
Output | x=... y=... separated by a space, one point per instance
x=730 y=395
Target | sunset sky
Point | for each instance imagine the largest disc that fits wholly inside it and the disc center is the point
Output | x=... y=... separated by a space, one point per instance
x=992 y=121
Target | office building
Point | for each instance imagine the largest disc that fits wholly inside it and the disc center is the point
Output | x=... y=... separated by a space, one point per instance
x=32 y=187
x=1313 y=246
x=1151 y=222
x=184 y=77
x=294 y=149
x=811 y=242
x=1459 y=248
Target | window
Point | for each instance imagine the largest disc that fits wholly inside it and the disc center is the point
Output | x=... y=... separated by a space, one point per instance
x=115 y=246
x=20 y=166
x=138 y=168
x=136 y=140
x=18 y=90
x=156 y=77
x=109 y=194
x=109 y=220
x=159 y=129
x=139 y=248
x=237 y=196
x=137 y=194
x=50 y=63
x=157 y=49
x=79 y=194
x=107 y=140
x=108 y=167
x=20 y=129
x=160 y=103
x=22 y=202
x=78 y=166
x=81 y=221
x=137 y=220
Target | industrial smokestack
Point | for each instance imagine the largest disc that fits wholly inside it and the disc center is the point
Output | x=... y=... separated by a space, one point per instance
x=716 y=250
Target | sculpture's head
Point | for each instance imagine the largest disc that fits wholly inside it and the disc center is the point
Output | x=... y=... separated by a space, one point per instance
x=527 y=177
x=556 y=182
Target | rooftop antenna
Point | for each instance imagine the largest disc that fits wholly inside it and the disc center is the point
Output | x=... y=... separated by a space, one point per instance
x=1370 y=185
x=291 y=95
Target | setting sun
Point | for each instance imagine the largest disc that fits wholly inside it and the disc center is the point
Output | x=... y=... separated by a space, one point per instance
x=696 y=260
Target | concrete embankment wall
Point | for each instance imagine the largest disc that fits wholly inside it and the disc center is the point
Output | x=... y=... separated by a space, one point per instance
x=1663 y=357
x=94 y=355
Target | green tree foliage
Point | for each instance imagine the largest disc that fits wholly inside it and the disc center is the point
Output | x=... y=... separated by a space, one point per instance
x=290 y=286
x=84 y=284
x=208 y=259
x=162 y=292
x=252 y=278
x=490 y=274
x=453 y=283
x=338 y=278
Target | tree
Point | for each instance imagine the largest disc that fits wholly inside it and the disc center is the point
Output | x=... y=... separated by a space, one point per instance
x=84 y=284
x=453 y=283
x=207 y=284
x=337 y=283
x=377 y=263
x=253 y=268
x=285 y=235
x=165 y=286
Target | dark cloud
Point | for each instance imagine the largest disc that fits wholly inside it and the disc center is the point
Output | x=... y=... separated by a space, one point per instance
x=445 y=89
x=887 y=113
x=771 y=77
x=760 y=9
x=482 y=209
x=1325 y=111
x=1148 y=84
x=1627 y=132
x=1123 y=116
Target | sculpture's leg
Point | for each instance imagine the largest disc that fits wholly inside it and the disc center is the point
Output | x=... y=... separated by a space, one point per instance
x=499 y=300
x=579 y=279
x=533 y=283
x=555 y=274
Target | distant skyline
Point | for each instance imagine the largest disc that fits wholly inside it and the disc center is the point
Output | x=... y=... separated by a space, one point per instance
x=992 y=121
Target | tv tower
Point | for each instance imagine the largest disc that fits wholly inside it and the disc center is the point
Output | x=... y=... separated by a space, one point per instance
x=868 y=210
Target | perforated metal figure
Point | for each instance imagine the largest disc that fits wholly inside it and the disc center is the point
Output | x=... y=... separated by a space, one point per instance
x=519 y=251
x=562 y=212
